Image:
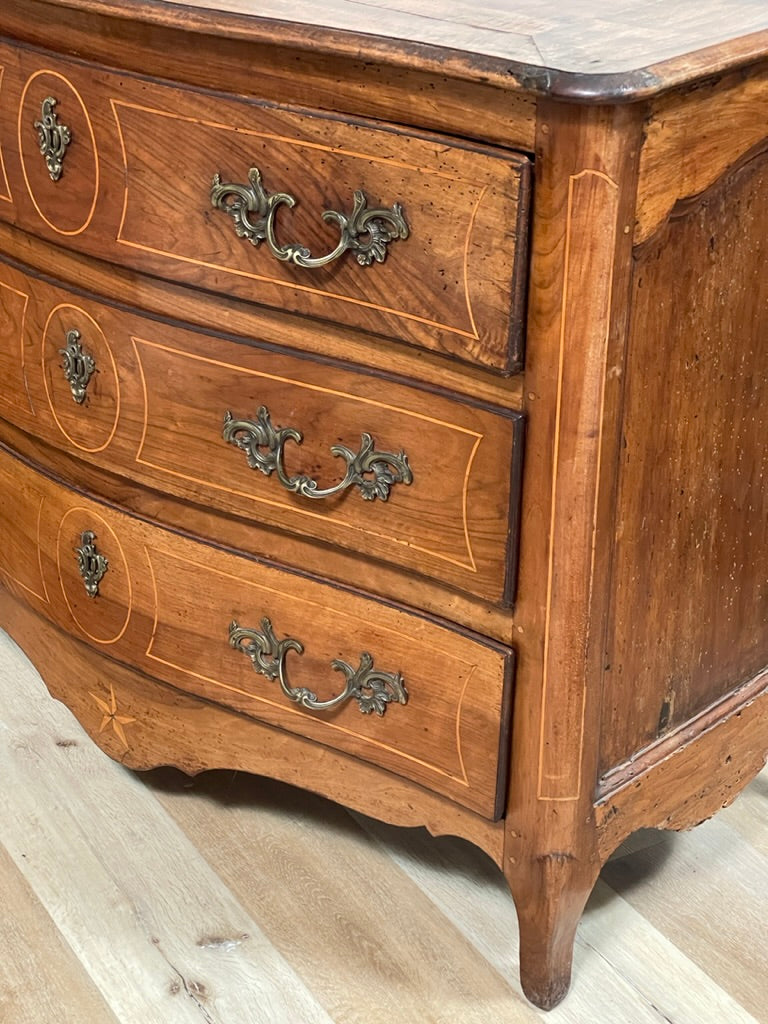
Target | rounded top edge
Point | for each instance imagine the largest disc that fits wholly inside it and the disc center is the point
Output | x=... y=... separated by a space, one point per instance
x=494 y=56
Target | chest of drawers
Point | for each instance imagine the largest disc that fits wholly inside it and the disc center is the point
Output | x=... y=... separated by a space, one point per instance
x=386 y=413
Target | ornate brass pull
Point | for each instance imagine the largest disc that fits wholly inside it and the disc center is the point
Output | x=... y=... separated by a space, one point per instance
x=77 y=364
x=53 y=138
x=264 y=447
x=379 y=226
x=90 y=562
x=372 y=689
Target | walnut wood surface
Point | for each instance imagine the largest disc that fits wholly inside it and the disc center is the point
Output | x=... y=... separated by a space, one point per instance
x=732 y=113
x=691 y=602
x=397 y=92
x=453 y=522
x=272 y=545
x=698 y=776
x=635 y=273
x=454 y=285
x=227 y=738
x=450 y=736
x=598 y=50
x=278 y=329
x=200 y=863
x=586 y=164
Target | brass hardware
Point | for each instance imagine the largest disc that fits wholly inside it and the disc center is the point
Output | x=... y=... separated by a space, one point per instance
x=380 y=226
x=77 y=364
x=372 y=688
x=264 y=447
x=91 y=564
x=53 y=138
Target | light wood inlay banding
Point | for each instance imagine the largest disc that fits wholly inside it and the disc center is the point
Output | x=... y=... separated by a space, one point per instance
x=57 y=196
x=592 y=208
x=214 y=671
x=5 y=188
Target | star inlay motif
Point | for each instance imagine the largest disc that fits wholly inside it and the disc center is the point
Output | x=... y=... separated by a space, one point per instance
x=111 y=717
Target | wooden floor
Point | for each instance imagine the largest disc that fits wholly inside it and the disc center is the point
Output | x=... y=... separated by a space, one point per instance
x=229 y=899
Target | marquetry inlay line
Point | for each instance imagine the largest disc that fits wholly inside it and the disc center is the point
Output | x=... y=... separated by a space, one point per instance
x=459 y=709
x=40 y=549
x=251 y=275
x=111 y=717
x=99 y=524
x=5 y=195
x=465 y=505
x=287 y=708
x=22 y=336
x=51 y=403
x=469 y=565
x=467 y=242
x=292 y=140
x=20 y=583
x=89 y=218
x=559 y=775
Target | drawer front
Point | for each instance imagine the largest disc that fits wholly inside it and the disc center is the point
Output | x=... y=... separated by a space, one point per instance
x=134 y=163
x=402 y=475
x=405 y=693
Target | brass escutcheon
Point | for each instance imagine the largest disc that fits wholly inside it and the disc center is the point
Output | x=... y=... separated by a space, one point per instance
x=53 y=138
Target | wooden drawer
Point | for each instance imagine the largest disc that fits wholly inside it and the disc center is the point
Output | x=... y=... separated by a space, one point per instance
x=165 y=605
x=134 y=186
x=154 y=409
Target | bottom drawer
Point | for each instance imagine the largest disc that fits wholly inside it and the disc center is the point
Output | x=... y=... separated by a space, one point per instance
x=409 y=694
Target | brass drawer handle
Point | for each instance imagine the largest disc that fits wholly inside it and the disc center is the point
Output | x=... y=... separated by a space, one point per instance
x=53 y=138
x=371 y=688
x=264 y=447
x=378 y=226
x=77 y=364
x=90 y=562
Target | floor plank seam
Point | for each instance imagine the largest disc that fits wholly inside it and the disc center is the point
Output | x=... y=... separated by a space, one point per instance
x=663 y=1018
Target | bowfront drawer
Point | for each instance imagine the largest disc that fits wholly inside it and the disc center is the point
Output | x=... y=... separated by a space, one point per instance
x=410 y=237
x=334 y=453
x=408 y=694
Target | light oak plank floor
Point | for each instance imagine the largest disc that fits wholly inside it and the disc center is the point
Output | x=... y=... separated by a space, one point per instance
x=226 y=899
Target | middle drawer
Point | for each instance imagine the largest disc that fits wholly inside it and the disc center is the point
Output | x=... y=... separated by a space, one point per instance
x=408 y=476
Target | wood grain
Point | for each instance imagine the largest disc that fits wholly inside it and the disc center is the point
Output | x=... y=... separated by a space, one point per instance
x=169 y=965
x=400 y=362
x=43 y=979
x=582 y=40
x=585 y=163
x=397 y=91
x=456 y=522
x=679 y=787
x=642 y=516
x=451 y=736
x=229 y=739
x=453 y=286
x=691 y=600
x=693 y=140
x=272 y=546
x=649 y=948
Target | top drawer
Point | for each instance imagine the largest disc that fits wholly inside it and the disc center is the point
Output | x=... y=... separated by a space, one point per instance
x=129 y=177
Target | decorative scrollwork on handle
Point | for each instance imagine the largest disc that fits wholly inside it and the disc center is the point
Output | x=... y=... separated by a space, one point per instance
x=253 y=211
x=90 y=562
x=372 y=472
x=77 y=364
x=371 y=688
x=53 y=138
